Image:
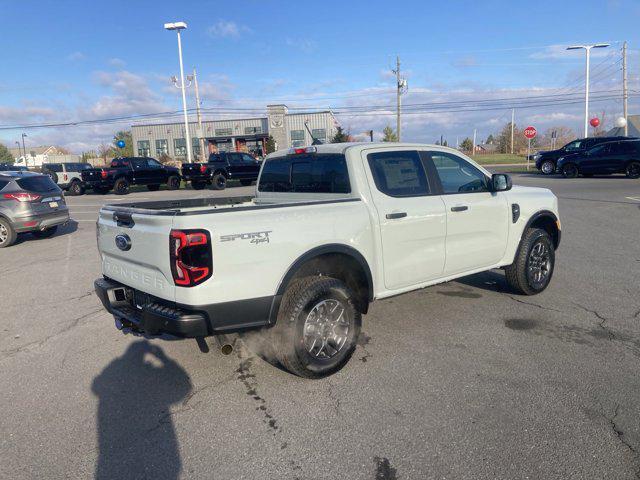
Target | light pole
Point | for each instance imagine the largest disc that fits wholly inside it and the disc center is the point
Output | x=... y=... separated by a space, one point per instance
x=587 y=49
x=24 y=151
x=177 y=26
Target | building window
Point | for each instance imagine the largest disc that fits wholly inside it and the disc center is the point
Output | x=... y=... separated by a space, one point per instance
x=297 y=138
x=180 y=147
x=319 y=134
x=252 y=130
x=162 y=147
x=195 y=146
x=144 y=149
x=224 y=132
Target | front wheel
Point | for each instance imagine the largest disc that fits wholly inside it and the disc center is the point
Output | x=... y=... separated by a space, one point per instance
x=219 y=181
x=317 y=328
x=121 y=187
x=548 y=167
x=633 y=170
x=76 y=188
x=532 y=269
x=173 y=182
x=49 y=232
x=570 y=171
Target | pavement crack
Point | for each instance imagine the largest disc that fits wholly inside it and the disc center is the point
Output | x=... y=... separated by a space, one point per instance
x=384 y=470
x=332 y=395
x=600 y=317
x=39 y=343
x=620 y=435
x=531 y=304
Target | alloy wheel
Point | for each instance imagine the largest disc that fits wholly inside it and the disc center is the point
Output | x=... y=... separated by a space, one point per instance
x=326 y=329
x=4 y=234
x=539 y=264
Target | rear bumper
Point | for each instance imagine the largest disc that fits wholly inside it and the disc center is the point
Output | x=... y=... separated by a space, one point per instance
x=98 y=183
x=144 y=313
x=197 y=177
x=40 y=222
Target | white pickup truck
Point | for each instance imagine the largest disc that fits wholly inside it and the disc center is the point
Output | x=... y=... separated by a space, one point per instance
x=330 y=229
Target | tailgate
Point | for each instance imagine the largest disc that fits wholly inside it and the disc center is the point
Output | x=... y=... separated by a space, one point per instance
x=191 y=169
x=89 y=175
x=140 y=256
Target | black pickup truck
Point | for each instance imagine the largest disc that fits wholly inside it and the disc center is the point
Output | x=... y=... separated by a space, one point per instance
x=221 y=167
x=127 y=171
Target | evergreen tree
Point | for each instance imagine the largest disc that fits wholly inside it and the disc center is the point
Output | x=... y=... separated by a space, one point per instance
x=270 y=145
x=5 y=155
x=389 y=135
x=340 y=136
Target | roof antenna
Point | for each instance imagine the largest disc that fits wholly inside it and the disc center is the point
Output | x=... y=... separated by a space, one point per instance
x=315 y=140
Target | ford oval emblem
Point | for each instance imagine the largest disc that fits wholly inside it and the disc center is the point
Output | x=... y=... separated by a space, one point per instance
x=123 y=242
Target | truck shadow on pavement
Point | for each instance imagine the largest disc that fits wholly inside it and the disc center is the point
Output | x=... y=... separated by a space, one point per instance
x=136 y=435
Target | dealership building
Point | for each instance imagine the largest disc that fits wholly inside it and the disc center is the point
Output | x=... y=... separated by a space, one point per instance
x=244 y=134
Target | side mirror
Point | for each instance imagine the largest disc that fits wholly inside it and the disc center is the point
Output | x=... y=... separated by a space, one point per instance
x=500 y=182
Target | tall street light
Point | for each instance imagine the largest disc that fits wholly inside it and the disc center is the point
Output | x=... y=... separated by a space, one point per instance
x=587 y=49
x=177 y=26
x=24 y=150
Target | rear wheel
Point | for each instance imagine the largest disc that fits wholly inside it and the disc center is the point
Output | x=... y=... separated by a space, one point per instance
x=198 y=185
x=570 y=170
x=153 y=188
x=49 y=232
x=246 y=183
x=548 y=167
x=76 y=188
x=173 y=182
x=633 y=170
x=219 y=181
x=121 y=187
x=7 y=234
x=318 y=327
x=532 y=269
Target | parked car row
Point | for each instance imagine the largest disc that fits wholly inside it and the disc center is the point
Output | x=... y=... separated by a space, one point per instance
x=593 y=156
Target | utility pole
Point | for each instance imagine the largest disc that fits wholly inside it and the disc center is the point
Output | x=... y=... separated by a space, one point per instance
x=24 y=151
x=400 y=84
x=625 y=89
x=473 y=149
x=199 y=116
x=513 y=119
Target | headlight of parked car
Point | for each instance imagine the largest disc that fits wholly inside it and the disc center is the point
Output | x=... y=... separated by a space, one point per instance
x=537 y=156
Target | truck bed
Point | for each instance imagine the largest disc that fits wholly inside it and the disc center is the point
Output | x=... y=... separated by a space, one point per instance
x=196 y=206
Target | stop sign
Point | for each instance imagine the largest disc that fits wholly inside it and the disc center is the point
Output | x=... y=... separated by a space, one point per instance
x=530 y=132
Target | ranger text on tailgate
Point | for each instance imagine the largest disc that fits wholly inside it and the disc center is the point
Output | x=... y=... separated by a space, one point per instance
x=331 y=229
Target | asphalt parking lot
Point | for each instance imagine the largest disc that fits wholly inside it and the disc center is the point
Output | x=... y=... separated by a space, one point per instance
x=460 y=380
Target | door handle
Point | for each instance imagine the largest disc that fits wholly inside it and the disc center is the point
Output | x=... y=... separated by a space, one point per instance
x=395 y=215
x=460 y=208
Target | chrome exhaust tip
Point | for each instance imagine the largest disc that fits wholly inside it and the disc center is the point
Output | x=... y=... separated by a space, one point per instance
x=225 y=343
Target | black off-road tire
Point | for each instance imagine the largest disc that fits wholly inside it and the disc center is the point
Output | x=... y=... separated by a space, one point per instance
x=246 y=183
x=633 y=170
x=548 y=167
x=518 y=274
x=570 y=170
x=49 y=232
x=198 y=185
x=219 y=181
x=153 y=188
x=8 y=235
x=121 y=187
x=287 y=336
x=173 y=182
x=76 y=188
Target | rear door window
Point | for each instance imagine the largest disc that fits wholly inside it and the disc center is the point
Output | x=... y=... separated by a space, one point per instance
x=307 y=173
x=399 y=174
x=40 y=183
x=54 y=167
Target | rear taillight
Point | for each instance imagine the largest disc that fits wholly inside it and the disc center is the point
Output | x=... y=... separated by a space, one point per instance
x=22 y=196
x=103 y=173
x=203 y=169
x=190 y=255
x=66 y=177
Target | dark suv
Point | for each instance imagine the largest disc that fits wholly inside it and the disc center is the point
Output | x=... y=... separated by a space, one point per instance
x=604 y=159
x=546 y=161
x=221 y=167
x=29 y=202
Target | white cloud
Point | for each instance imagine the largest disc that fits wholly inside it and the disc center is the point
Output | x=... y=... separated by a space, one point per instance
x=76 y=57
x=227 y=29
x=305 y=45
x=130 y=94
x=116 y=62
x=560 y=52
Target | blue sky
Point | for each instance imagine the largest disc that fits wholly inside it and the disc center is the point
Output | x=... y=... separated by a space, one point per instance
x=73 y=60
